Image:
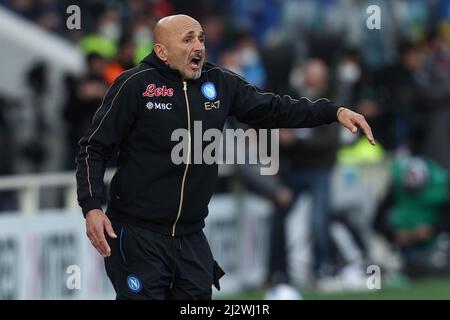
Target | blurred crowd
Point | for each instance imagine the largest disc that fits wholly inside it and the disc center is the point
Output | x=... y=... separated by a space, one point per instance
x=398 y=77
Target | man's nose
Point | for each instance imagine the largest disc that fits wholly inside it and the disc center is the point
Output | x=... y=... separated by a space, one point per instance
x=199 y=45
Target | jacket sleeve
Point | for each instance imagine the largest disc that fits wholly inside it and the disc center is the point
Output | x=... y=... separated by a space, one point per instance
x=109 y=127
x=267 y=110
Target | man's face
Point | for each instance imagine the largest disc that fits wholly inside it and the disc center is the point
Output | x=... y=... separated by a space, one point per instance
x=186 y=50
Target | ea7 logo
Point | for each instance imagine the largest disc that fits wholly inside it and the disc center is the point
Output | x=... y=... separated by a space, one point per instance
x=212 y=105
x=158 y=106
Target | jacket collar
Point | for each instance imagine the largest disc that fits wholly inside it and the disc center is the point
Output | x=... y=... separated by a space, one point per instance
x=153 y=60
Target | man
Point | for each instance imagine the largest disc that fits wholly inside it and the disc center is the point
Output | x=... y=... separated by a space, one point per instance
x=155 y=247
x=307 y=157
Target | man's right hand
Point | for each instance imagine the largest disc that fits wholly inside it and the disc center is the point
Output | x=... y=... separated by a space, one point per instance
x=352 y=121
x=96 y=224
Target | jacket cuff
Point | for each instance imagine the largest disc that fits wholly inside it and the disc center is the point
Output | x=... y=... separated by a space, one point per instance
x=331 y=112
x=89 y=204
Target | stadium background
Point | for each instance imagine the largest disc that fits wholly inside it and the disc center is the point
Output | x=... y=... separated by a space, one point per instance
x=52 y=80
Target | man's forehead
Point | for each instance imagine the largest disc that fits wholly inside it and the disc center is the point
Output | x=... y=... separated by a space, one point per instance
x=175 y=27
x=193 y=33
x=192 y=27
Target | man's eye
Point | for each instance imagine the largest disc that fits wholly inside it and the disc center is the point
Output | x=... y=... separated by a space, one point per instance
x=187 y=40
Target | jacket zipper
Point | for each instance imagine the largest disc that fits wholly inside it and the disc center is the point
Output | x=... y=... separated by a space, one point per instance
x=183 y=181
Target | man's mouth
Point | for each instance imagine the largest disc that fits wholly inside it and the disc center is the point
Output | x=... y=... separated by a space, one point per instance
x=195 y=62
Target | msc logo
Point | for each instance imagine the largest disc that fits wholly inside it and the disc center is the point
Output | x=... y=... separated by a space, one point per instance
x=158 y=106
x=134 y=284
x=212 y=105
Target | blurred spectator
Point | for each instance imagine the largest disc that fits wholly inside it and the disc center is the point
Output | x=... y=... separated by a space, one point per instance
x=124 y=61
x=6 y=156
x=5 y=140
x=141 y=37
x=278 y=57
x=413 y=19
x=48 y=15
x=230 y=60
x=350 y=74
x=307 y=157
x=250 y=61
x=396 y=89
x=411 y=214
x=84 y=98
x=256 y=16
x=215 y=44
x=33 y=145
x=355 y=89
x=103 y=40
x=434 y=85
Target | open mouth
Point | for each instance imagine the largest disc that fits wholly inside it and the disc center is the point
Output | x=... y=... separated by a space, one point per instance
x=195 y=62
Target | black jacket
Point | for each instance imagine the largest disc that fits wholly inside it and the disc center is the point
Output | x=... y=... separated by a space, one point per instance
x=137 y=117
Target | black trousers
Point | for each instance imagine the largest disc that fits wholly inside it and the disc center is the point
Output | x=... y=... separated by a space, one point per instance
x=148 y=265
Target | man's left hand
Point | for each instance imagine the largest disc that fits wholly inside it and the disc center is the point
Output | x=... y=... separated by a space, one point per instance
x=352 y=121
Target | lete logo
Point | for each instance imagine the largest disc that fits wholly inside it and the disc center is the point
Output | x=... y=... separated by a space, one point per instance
x=154 y=91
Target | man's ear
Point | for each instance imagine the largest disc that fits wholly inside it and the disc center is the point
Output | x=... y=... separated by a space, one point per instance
x=161 y=51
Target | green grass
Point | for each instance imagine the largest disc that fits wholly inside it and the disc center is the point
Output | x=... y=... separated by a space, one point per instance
x=431 y=288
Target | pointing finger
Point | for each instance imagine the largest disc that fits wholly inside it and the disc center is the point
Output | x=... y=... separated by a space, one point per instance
x=367 y=130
